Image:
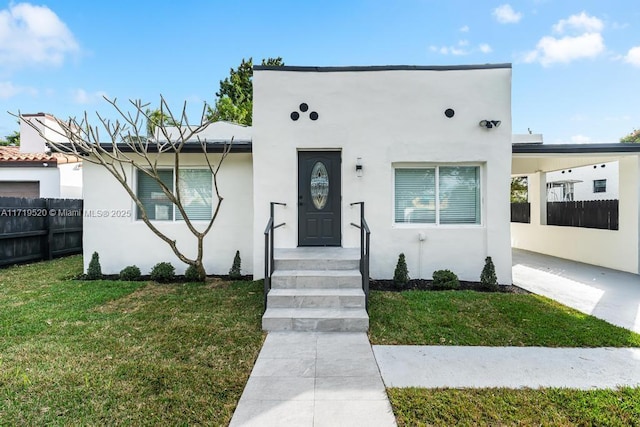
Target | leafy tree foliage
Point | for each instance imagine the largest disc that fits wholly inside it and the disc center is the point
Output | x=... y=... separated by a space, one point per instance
x=632 y=137
x=519 y=188
x=157 y=118
x=234 y=99
x=13 y=139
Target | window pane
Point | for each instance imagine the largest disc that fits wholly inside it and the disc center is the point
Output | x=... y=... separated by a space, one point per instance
x=459 y=189
x=599 y=185
x=155 y=202
x=415 y=193
x=195 y=192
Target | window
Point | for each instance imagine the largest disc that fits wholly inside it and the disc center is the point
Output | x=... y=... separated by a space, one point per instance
x=437 y=195
x=195 y=192
x=599 y=185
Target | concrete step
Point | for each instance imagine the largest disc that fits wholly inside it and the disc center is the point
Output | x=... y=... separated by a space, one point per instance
x=316 y=264
x=316 y=298
x=317 y=279
x=314 y=258
x=315 y=319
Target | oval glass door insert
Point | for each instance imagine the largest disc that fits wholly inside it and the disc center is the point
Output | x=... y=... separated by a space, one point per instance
x=319 y=185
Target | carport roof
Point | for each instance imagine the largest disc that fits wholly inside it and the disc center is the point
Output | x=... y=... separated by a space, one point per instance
x=615 y=148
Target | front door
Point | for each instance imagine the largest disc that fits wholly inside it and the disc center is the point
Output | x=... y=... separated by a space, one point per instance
x=319 y=198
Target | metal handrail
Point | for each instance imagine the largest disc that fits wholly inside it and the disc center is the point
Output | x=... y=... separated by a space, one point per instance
x=365 y=247
x=268 y=250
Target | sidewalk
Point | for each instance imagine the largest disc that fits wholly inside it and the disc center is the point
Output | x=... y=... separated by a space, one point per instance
x=512 y=367
x=314 y=379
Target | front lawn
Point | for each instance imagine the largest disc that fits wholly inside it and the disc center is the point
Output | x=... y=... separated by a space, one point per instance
x=486 y=319
x=498 y=319
x=500 y=407
x=110 y=352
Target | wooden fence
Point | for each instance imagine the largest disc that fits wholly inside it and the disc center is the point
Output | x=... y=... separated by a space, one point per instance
x=601 y=214
x=521 y=212
x=35 y=229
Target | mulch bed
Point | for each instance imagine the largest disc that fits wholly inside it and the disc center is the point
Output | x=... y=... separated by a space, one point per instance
x=426 y=285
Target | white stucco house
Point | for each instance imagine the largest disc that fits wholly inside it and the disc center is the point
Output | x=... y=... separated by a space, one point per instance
x=32 y=171
x=427 y=149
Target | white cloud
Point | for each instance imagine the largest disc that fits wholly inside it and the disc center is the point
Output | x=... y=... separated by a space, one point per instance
x=633 y=56
x=462 y=48
x=584 y=41
x=32 y=35
x=581 y=23
x=506 y=15
x=580 y=139
x=81 y=96
x=551 y=50
x=8 y=90
x=464 y=29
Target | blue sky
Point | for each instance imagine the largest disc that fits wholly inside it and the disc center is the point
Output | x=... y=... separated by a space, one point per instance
x=576 y=63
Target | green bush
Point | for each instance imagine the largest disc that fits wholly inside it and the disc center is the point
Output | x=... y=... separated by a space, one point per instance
x=191 y=274
x=235 y=271
x=163 y=272
x=130 y=273
x=488 y=277
x=94 y=272
x=401 y=274
x=445 y=279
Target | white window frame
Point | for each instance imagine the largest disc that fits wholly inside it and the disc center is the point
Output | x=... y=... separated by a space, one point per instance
x=174 y=210
x=436 y=166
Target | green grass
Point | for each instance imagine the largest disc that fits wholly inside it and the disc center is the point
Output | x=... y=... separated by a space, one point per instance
x=109 y=352
x=486 y=319
x=496 y=319
x=527 y=407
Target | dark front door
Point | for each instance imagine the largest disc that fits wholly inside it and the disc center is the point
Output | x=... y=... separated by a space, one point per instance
x=319 y=198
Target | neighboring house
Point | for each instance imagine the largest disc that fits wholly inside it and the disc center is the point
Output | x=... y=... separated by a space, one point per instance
x=542 y=164
x=32 y=171
x=427 y=149
x=592 y=182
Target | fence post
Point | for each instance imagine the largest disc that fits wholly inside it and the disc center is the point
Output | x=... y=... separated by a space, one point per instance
x=48 y=227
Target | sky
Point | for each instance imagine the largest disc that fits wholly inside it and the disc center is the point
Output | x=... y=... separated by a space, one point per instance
x=576 y=63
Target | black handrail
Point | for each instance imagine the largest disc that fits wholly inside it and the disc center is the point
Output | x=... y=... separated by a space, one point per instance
x=268 y=250
x=365 y=247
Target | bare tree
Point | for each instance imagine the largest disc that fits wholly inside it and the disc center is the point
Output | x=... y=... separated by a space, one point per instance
x=126 y=144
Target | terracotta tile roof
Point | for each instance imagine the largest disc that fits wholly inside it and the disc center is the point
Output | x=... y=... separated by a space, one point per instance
x=13 y=154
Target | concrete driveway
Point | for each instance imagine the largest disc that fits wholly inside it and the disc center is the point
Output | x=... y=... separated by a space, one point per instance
x=610 y=295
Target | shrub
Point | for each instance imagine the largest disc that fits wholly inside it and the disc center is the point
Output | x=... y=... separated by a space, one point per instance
x=488 y=277
x=445 y=279
x=163 y=272
x=130 y=273
x=191 y=274
x=401 y=274
x=94 y=272
x=234 y=272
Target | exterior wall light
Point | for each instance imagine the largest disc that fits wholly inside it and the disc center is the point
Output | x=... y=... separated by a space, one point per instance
x=359 y=167
x=489 y=123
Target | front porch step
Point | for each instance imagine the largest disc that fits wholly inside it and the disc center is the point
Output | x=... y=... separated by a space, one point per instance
x=316 y=319
x=317 y=279
x=316 y=298
x=312 y=258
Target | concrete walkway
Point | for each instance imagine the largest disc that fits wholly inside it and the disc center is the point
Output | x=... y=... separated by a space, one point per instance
x=512 y=367
x=314 y=379
x=610 y=295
